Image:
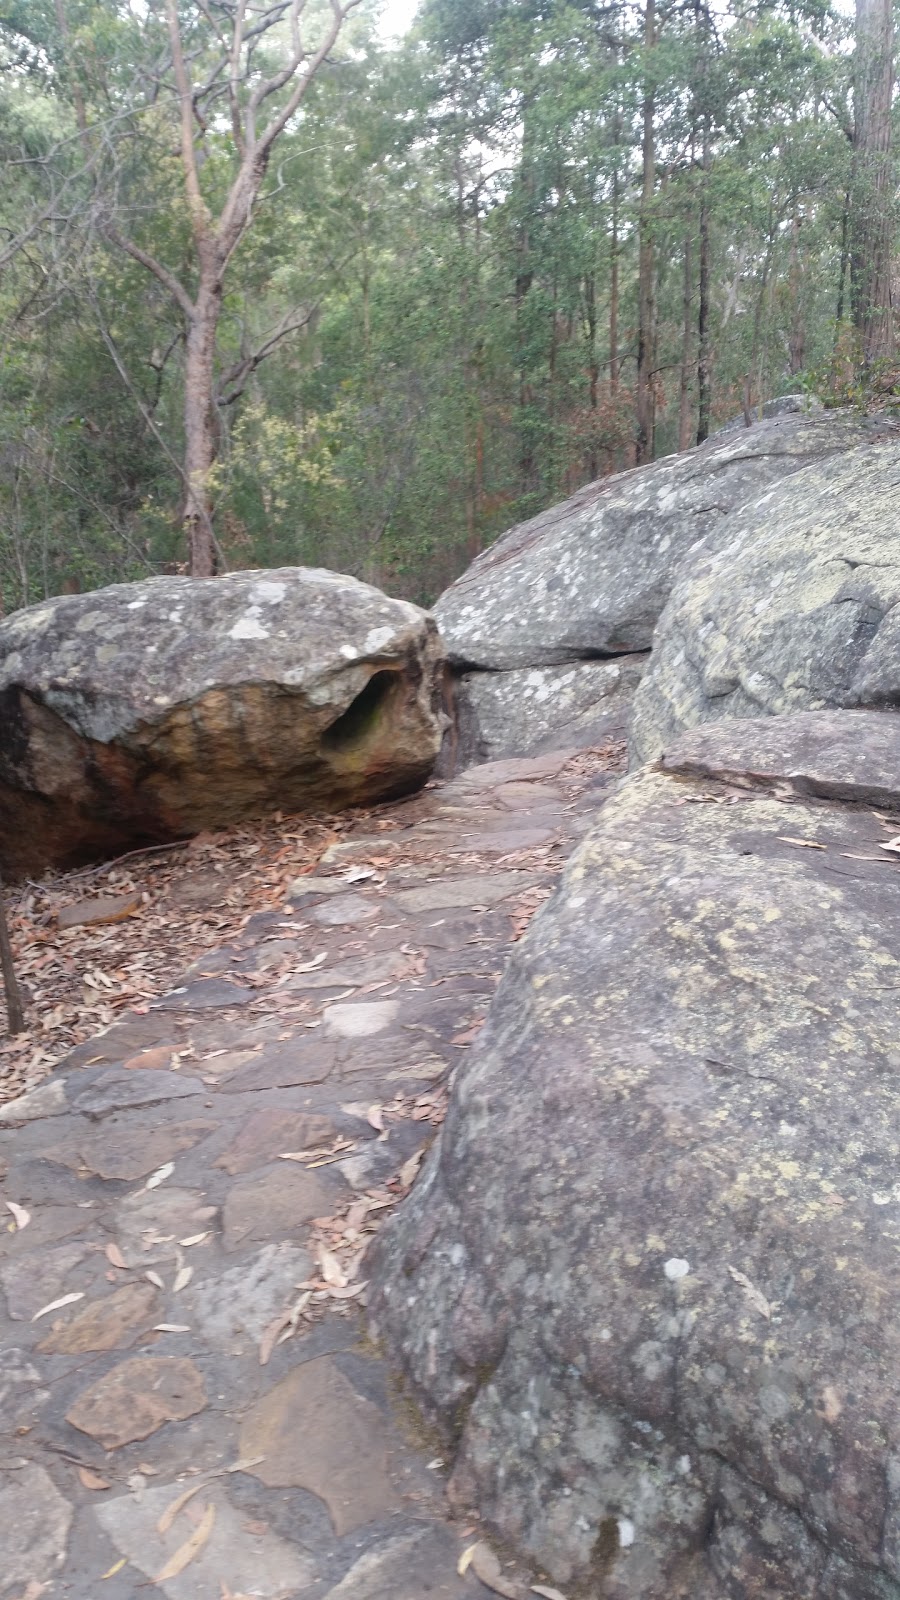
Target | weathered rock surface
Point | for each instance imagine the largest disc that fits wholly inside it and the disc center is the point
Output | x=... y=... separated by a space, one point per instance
x=646 y=1284
x=590 y=577
x=533 y=709
x=153 y=710
x=790 y=604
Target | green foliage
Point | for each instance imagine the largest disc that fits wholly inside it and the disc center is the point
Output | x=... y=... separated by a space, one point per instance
x=441 y=226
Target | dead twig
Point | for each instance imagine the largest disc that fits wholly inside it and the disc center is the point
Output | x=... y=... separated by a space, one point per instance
x=15 y=1014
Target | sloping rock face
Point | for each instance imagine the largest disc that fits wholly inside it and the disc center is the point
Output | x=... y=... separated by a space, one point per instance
x=537 y=709
x=154 y=710
x=590 y=577
x=647 y=1282
x=790 y=604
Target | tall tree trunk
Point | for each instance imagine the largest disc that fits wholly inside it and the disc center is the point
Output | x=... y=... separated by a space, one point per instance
x=646 y=358
x=590 y=303
x=845 y=263
x=797 y=333
x=685 y=409
x=200 y=432
x=528 y=471
x=756 y=356
x=614 y=291
x=871 y=219
x=704 y=331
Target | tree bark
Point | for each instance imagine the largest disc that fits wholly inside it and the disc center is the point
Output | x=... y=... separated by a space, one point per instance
x=646 y=359
x=529 y=478
x=200 y=430
x=704 y=330
x=14 y=1013
x=871 y=212
x=685 y=409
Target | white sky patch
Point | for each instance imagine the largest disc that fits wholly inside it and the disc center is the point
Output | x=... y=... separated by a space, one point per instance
x=397 y=18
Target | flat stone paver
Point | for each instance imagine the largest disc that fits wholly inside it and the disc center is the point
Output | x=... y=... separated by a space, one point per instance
x=184 y=1308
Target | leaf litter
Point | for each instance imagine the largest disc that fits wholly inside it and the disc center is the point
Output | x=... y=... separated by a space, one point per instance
x=78 y=981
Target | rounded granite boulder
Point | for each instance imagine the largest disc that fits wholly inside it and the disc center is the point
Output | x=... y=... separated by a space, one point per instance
x=151 y=711
x=791 y=604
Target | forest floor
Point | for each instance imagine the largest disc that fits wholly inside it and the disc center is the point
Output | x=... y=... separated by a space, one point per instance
x=188 y=1403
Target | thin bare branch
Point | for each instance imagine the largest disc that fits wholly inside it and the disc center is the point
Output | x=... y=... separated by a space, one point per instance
x=162 y=274
x=196 y=204
x=235 y=380
x=234 y=75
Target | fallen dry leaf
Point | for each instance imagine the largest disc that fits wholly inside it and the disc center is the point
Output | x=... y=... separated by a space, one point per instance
x=486 y=1567
x=802 y=844
x=548 y=1594
x=155 y=1279
x=409 y=1168
x=270 y=1336
x=172 y=1510
x=20 y=1216
x=116 y=1567
x=331 y=1269
x=114 y=1255
x=160 y=1175
x=182 y=1279
x=191 y=1548
x=65 y=1300
x=891 y=844
x=755 y=1296
x=92 y=1479
x=171 y=1327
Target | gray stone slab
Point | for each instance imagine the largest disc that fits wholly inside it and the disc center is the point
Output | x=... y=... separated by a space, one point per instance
x=234 y=1307
x=35 y=1522
x=207 y=994
x=32 y=1281
x=410 y=1566
x=118 y=1090
x=447 y=893
x=47 y=1100
x=232 y=1561
x=837 y=755
x=344 y=910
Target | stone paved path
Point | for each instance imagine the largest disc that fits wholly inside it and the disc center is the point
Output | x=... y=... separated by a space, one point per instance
x=168 y=1247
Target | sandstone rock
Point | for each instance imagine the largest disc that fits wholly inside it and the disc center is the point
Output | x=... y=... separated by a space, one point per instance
x=647 y=1284
x=136 y=1398
x=532 y=709
x=314 y=1431
x=791 y=604
x=150 y=711
x=589 y=578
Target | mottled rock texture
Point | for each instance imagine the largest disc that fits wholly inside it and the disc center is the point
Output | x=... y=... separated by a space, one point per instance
x=533 y=709
x=789 y=604
x=646 y=1284
x=153 y=710
x=590 y=577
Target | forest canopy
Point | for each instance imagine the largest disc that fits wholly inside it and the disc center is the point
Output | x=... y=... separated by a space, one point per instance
x=279 y=289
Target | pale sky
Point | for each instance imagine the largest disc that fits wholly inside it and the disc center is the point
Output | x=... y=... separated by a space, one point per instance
x=397 y=16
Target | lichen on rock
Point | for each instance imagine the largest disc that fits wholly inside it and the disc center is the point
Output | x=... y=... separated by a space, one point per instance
x=647 y=1282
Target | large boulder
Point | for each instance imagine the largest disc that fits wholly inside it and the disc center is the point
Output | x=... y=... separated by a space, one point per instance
x=647 y=1285
x=791 y=603
x=150 y=711
x=590 y=577
x=532 y=710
